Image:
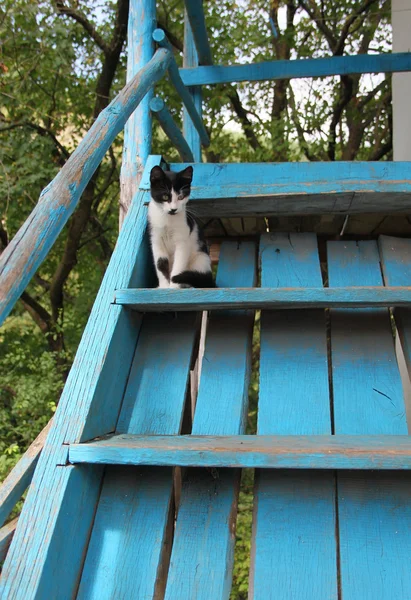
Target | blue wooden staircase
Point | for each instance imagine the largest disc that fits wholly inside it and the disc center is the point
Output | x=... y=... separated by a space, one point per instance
x=135 y=492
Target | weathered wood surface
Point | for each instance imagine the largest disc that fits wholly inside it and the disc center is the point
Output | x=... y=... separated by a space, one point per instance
x=125 y=562
x=293 y=550
x=6 y=535
x=138 y=129
x=272 y=189
x=289 y=69
x=374 y=509
x=254 y=451
x=160 y=37
x=195 y=13
x=19 y=478
x=153 y=300
x=29 y=247
x=58 y=514
x=203 y=549
x=171 y=129
x=190 y=59
x=364 y=225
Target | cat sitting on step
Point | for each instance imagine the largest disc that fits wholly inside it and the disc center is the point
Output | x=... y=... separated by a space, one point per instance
x=180 y=253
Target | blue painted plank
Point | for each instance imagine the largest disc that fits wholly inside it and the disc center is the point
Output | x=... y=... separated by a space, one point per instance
x=364 y=364
x=396 y=266
x=57 y=516
x=160 y=37
x=195 y=13
x=289 y=69
x=138 y=129
x=6 y=535
x=374 y=509
x=171 y=129
x=124 y=563
x=30 y=245
x=203 y=549
x=17 y=481
x=230 y=190
x=262 y=451
x=293 y=550
x=190 y=59
x=154 y=300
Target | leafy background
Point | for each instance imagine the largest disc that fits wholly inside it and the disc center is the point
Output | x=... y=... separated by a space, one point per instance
x=61 y=62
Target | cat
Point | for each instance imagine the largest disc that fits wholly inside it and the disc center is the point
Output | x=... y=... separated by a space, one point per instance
x=180 y=253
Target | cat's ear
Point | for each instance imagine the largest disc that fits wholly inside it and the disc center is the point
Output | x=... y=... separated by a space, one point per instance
x=156 y=175
x=186 y=174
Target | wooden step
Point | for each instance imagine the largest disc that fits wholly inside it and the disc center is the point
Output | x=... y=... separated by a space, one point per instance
x=152 y=300
x=236 y=190
x=364 y=452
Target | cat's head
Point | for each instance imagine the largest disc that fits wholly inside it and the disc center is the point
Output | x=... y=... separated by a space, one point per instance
x=171 y=190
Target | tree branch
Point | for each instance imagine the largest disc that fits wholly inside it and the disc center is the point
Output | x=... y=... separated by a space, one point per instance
x=338 y=50
x=43 y=131
x=81 y=18
x=37 y=312
x=242 y=115
x=82 y=214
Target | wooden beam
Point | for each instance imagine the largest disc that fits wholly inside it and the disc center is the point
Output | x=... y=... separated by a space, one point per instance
x=153 y=300
x=249 y=451
x=138 y=129
x=6 y=535
x=190 y=59
x=171 y=129
x=195 y=13
x=293 y=69
x=30 y=246
x=160 y=37
x=19 y=478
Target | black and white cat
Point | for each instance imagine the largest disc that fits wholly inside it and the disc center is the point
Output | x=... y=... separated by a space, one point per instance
x=180 y=254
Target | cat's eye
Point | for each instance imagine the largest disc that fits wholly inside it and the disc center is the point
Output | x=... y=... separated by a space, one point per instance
x=166 y=197
x=180 y=197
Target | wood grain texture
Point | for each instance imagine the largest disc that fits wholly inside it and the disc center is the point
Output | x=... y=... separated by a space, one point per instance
x=289 y=69
x=138 y=130
x=171 y=129
x=293 y=549
x=126 y=547
x=261 y=451
x=19 y=478
x=6 y=535
x=203 y=550
x=396 y=266
x=368 y=395
x=153 y=300
x=160 y=37
x=264 y=189
x=195 y=13
x=58 y=513
x=374 y=509
x=30 y=245
x=190 y=59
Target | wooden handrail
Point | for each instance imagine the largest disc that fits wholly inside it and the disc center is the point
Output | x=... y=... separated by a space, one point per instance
x=19 y=478
x=31 y=244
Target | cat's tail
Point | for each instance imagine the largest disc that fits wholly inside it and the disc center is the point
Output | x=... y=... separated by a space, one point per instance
x=195 y=279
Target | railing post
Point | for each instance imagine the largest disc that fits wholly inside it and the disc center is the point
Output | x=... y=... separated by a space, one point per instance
x=190 y=59
x=138 y=130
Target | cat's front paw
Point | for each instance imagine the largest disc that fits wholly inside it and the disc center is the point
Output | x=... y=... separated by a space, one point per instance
x=175 y=286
